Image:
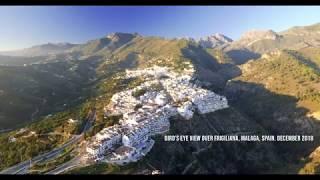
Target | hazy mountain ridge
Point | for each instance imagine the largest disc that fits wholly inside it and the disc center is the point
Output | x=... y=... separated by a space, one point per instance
x=41 y=50
x=257 y=41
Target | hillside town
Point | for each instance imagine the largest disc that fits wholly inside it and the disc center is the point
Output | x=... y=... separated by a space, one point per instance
x=146 y=110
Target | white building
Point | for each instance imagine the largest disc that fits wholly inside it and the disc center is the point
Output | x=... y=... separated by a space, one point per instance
x=149 y=113
x=186 y=110
x=105 y=140
x=126 y=154
x=135 y=134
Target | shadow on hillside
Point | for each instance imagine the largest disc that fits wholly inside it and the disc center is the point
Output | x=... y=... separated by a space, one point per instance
x=38 y=90
x=208 y=69
x=278 y=115
x=240 y=56
x=303 y=59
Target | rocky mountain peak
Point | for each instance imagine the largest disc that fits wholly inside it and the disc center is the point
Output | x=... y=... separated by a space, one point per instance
x=259 y=35
x=116 y=36
x=221 y=37
x=214 y=40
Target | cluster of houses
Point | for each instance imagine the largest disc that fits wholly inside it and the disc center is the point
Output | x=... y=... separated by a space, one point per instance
x=146 y=111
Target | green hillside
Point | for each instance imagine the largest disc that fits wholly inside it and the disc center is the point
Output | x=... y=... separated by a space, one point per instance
x=28 y=92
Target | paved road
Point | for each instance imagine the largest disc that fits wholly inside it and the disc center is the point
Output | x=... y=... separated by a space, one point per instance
x=24 y=166
x=5 y=130
x=73 y=163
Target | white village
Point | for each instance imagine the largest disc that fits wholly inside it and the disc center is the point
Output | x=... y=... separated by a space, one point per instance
x=146 y=110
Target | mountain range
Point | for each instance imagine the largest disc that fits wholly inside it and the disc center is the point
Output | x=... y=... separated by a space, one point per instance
x=250 y=45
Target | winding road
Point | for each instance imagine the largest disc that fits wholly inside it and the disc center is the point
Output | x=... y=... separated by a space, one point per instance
x=73 y=163
x=23 y=167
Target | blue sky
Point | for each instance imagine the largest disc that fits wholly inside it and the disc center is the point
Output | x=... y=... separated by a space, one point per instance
x=22 y=27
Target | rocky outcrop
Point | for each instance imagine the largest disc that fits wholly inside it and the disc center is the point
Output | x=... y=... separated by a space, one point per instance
x=215 y=41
